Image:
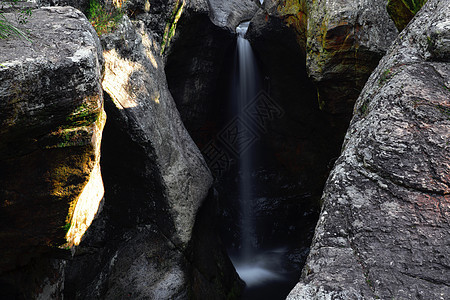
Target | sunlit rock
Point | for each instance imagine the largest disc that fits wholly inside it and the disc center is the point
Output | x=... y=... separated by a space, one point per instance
x=156 y=182
x=51 y=117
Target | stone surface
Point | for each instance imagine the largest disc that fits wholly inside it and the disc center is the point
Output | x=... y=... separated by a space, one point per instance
x=195 y=65
x=155 y=14
x=384 y=226
x=280 y=20
x=232 y=12
x=52 y=117
x=135 y=80
x=142 y=245
x=346 y=39
x=82 y=5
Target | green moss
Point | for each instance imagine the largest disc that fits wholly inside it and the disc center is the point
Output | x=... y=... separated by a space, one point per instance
x=171 y=24
x=320 y=100
x=364 y=109
x=402 y=11
x=103 y=18
x=85 y=114
x=387 y=74
x=66 y=226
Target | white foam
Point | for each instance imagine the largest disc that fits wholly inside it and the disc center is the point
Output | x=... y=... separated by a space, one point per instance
x=261 y=267
x=254 y=275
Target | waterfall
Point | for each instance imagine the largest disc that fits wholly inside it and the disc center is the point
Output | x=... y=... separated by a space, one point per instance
x=246 y=91
x=254 y=266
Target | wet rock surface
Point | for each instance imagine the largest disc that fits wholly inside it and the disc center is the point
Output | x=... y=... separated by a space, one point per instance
x=383 y=229
x=277 y=23
x=51 y=116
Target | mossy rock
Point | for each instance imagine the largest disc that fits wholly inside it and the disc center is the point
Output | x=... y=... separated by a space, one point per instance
x=402 y=11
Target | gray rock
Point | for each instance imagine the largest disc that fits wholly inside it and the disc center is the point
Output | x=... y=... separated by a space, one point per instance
x=384 y=226
x=155 y=14
x=195 y=65
x=230 y=13
x=82 y=5
x=135 y=80
x=51 y=117
x=155 y=179
x=346 y=39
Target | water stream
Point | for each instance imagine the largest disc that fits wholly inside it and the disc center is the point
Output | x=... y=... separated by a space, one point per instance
x=261 y=270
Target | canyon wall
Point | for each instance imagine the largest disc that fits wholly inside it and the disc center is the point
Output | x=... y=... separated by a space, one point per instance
x=52 y=119
x=141 y=243
x=383 y=229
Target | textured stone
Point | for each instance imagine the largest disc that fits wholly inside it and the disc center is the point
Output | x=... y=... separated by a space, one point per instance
x=154 y=173
x=384 y=226
x=155 y=14
x=138 y=88
x=195 y=65
x=52 y=117
x=230 y=13
x=82 y=5
x=282 y=19
x=345 y=41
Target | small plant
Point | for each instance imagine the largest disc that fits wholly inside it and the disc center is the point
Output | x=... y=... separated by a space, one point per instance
x=103 y=19
x=7 y=29
x=171 y=24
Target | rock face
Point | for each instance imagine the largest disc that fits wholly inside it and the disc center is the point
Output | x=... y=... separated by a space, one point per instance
x=195 y=62
x=155 y=180
x=155 y=14
x=230 y=13
x=384 y=226
x=79 y=4
x=279 y=20
x=135 y=80
x=52 y=117
x=346 y=39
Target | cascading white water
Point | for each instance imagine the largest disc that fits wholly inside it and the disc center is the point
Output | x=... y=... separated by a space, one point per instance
x=246 y=91
x=253 y=266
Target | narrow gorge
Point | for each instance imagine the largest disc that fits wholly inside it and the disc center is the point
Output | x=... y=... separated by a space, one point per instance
x=225 y=149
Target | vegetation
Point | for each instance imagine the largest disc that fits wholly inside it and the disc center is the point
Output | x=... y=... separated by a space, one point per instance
x=103 y=18
x=171 y=24
x=7 y=29
x=402 y=11
x=414 y=5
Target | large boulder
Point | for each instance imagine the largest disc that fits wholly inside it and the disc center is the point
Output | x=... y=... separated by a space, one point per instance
x=136 y=83
x=384 y=226
x=156 y=180
x=346 y=39
x=230 y=13
x=52 y=117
